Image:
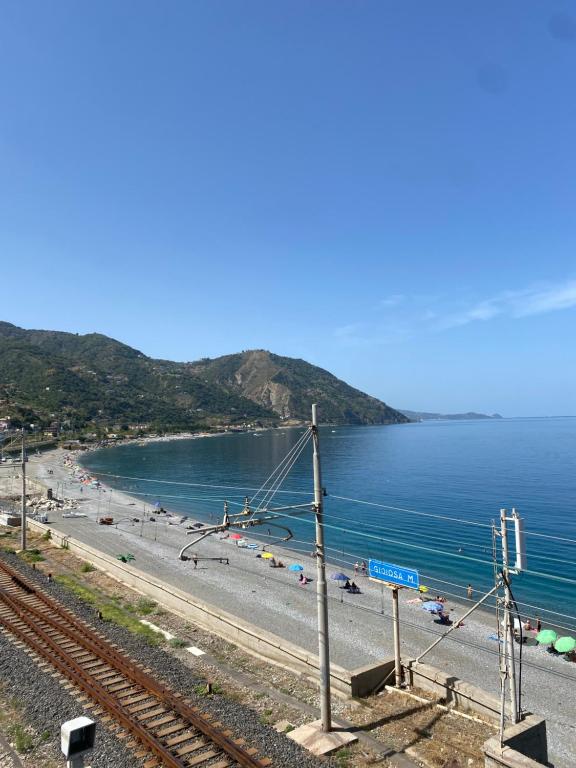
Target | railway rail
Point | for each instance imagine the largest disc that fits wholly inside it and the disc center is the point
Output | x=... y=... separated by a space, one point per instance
x=166 y=729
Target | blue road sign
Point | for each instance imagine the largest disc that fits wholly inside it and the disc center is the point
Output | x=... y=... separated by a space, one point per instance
x=393 y=574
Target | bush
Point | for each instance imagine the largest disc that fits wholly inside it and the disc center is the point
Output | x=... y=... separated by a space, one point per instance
x=87 y=568
x=176 y=642
x=22 y=740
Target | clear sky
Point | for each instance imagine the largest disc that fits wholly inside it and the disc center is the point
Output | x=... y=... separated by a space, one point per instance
x=386 y=189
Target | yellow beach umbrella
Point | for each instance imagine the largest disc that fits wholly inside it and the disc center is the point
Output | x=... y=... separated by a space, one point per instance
x=267 y=555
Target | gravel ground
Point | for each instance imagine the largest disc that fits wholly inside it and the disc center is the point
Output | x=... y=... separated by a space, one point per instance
x=48 y=705
x=361 y=630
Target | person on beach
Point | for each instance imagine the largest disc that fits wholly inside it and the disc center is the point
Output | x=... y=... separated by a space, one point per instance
x=364 y=568
x=538 y=624
x=356 y=566
x=195 y=561
x=470 y=592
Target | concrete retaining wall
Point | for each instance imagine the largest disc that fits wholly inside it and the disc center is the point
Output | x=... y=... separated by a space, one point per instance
x=464 y=696
x=525 y=746
x=250 y=638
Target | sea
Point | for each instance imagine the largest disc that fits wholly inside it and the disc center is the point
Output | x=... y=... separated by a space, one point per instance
x=423 y=496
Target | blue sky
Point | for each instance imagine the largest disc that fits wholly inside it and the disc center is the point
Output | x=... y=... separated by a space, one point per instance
x=384 y=189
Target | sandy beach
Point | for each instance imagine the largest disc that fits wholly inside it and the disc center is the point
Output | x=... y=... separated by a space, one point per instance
x=360 y=625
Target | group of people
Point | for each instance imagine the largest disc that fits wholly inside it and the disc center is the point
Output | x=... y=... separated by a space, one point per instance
x=351 y=587
x=363 y=567
x=303 y=580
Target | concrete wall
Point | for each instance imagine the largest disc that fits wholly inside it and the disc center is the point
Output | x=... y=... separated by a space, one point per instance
x=250 y=638
x=366 y=680
x=525 y=746
x=464 y=696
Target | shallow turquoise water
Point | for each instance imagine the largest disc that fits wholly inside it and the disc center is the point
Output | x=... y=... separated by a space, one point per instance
x=462 y=470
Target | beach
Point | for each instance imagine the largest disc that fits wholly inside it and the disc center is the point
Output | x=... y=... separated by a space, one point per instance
x=360 y=625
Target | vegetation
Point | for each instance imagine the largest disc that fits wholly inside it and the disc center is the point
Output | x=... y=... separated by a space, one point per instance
x=31 y=556
x=208 y=689
x=110 y=610
x=177 y=642
x=22 y=740
x=87 y=568
x=95 y=382
x=145 y=607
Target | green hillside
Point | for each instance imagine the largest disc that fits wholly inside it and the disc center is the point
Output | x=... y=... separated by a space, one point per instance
x=93 y=379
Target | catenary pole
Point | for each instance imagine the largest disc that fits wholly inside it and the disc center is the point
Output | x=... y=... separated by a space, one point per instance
x=396 y=622
x=321 y=592
x=508 y=619
x=23 y=542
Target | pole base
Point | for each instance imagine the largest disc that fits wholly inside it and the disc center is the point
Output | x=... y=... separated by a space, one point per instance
x=318 y=742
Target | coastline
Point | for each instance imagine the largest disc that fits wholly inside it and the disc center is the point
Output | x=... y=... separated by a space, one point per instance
x=361 y=629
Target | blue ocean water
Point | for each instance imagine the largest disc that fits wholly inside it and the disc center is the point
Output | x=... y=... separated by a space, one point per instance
x=441 y=484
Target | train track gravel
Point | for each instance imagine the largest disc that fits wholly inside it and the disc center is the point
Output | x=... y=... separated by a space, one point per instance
x=51 y=710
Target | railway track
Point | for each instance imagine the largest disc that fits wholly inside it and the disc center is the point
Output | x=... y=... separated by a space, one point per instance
x=162 y=727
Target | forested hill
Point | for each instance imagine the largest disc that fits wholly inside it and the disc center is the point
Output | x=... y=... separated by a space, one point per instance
x=92 y=379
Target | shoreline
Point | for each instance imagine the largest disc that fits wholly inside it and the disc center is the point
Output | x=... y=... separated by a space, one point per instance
x=361 y=627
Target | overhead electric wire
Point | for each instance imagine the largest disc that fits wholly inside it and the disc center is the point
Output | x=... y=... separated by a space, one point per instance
x=411 y=511
x=432 y=549
x=271 y=479
x=282 y=470
x=194 y=485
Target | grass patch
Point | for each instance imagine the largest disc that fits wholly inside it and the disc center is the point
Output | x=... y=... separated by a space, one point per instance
x=265 y=717
x=145 y=607
x=110 y=611
x=87 y=568
x=31 y=556
x=23 y=742
x=203 y=689
x=177 y=642
x=343 y=757
x=46 y=536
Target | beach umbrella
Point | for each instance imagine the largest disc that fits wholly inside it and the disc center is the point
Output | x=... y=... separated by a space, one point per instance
x=422 y=588
x=236 y=536
x=546 y=637
x=339 y=577
x=295 y=567
x=267 y=555
x=565 y=644
x=432 y=606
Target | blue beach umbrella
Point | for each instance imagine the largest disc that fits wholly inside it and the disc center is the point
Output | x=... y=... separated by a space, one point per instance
x=295 y=567
x=339 y=577
x=432 y=606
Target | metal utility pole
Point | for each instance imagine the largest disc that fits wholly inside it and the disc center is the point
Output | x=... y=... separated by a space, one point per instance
x=23 y=516
x=508 y=621
x=396 y=621
x=321 y=592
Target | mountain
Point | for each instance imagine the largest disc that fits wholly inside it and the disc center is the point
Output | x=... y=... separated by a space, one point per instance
x=424 y=416
x=289 y=386
x=48 y=376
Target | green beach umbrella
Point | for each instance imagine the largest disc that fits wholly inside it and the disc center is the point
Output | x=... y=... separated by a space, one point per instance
x=546 y=637
x=565 y=644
